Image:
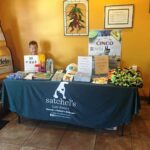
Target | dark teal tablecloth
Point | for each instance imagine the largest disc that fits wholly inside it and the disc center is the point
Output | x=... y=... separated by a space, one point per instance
x=85 y=104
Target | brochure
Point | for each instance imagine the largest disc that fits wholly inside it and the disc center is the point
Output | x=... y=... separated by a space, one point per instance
x=82 y=77
x=85 y=64
x=42 y=76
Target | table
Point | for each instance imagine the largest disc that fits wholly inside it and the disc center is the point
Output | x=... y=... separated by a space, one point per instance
x=83 y=104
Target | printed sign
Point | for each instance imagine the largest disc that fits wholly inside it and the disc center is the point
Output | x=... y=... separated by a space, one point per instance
x=106 y=42
x=85 y=64
x=60 y=106
x=29 y=62
x=101 y=64
x=5 y=64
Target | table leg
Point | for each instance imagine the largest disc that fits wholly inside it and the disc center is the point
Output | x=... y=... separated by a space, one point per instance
x=149 y=97
x=122 y=129
x=19 y=119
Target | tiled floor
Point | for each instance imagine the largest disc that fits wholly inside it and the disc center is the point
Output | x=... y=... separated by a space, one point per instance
x=37 y=135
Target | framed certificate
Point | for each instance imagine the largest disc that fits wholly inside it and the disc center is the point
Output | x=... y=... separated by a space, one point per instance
x=119 y=16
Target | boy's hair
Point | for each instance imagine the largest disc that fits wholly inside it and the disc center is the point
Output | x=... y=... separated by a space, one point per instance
x=33 y=43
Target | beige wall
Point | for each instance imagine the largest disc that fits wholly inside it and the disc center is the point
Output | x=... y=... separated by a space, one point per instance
x=42 y=20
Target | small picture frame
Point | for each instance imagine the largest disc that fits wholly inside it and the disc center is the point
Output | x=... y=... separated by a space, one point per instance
x=75 y=17
x=118 y=16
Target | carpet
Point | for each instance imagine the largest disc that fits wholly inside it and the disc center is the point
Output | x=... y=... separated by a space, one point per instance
x=3 y=123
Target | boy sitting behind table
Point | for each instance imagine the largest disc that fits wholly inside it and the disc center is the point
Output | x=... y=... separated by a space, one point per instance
x=33 y=46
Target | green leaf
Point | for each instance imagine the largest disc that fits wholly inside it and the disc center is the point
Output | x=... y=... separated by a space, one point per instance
x=82 y=20
x=93 y=34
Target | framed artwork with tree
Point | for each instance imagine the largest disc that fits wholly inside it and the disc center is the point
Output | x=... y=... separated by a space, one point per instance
x=75 y=17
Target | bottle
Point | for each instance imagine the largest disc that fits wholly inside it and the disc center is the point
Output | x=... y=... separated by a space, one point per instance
x=42 y=62
x=49 y=66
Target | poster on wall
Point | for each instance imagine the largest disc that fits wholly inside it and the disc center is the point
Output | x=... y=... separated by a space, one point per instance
x=106 y=42
x=76 y=17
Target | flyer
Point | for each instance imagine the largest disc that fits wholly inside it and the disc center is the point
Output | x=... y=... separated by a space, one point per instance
x=85 y=64
x=29 y=62
x=84 y=69
x=101 y=64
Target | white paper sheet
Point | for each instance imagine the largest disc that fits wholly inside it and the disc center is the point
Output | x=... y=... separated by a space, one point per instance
x=29 y=62
x=85 y=64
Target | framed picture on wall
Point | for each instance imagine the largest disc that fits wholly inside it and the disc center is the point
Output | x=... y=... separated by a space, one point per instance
x=119 y=16
x=76 y=17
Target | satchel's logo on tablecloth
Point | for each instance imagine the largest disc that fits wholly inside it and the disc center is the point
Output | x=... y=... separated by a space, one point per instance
x=60 y=89
x=59 y=105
